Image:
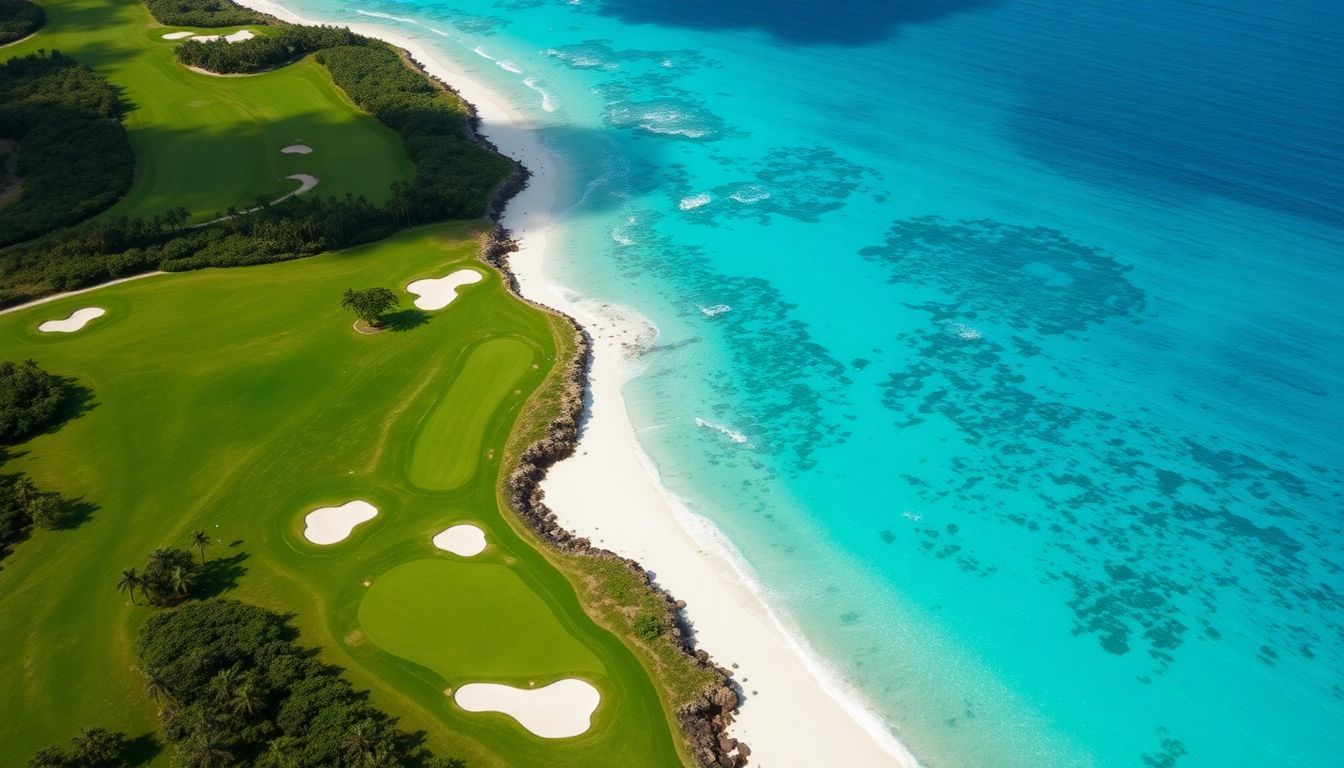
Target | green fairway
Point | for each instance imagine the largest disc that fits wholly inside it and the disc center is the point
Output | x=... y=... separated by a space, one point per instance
x=205 y=142
x=236 y=401
x=448 y=449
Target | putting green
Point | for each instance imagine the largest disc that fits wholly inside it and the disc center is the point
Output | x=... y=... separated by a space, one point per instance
x=470 y=621
x=448 y=448
x=206 y=143
x=236 y=401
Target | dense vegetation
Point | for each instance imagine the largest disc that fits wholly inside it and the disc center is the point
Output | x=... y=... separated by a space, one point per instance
x=167 y=577
x=264 y=52
x=92 y=748
x=23 y=505
x=30 y=400
x=203 y=13
x=74 y=157
x=236 y=689
x=19 y=18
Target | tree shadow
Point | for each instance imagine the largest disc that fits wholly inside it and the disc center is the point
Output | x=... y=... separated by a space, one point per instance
x=219 y=575
x=140 y=750
x=405 y=320
x=76 y=401
x=76 y=513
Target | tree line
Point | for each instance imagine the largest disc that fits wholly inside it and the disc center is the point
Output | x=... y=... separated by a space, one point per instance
x=263 y=52
x=74 y=157
x=18 y=19
x=234 y=689
x=203 y=13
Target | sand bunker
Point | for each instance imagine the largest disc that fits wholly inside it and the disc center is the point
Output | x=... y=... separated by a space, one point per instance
x=556 y=711
x=439 y=292
x=236 y=37
x=177 y=35
x=297 y=149
x=76 y=321
x=329 y=525
x=465 y=540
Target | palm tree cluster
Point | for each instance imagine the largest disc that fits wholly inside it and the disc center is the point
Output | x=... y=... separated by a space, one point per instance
x=92 y=748
x=167 y=576
x=234 y=689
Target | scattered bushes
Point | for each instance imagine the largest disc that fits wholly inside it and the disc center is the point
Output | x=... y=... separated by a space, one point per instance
x=167 y=577
x=237 y=690
x=649 y=626
x=19 y=18
x=92 y=748
x=74 y=157
x=203 y=13
x=30 y=400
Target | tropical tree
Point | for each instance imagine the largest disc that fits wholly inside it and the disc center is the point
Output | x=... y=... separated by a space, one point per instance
x=129 y=582
x=360 y=745
x=205 y=750
x=246 y=700
x=200 y=540
x=97 y=747
x=370 y=304
x=180 y=580
x=47 y=510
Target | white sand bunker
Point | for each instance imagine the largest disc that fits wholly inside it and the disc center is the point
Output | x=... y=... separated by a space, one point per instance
x=76 y=321
x=177 y=35
x=556 y=711
x=297 y=149
x=464 y=539
x=439 y=292
x=329 y=525
x=236 y=37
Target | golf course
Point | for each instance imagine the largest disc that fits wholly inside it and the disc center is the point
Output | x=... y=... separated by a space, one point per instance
x=314 y=466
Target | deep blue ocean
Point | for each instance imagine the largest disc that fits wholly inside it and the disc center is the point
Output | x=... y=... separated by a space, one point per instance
x=1002 y=336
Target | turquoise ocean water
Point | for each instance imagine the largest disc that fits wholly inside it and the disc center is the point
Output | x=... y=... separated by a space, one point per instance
x=1002 y=336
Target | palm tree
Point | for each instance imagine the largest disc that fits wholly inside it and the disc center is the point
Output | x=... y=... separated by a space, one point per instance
x=180 y=580
x=245 y=700
x=156 y=689
x=225 y=683
x=361 y=744
x=129 y=582
x=200 y=540
x=206 y=751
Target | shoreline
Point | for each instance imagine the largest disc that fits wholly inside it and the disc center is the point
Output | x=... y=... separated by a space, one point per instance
x=795 y=711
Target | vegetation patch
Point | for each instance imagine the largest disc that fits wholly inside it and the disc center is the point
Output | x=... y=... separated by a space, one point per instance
x=30 y=400
x=19 y=19
x=235 y=689
x=73 y=154
x=203 y=13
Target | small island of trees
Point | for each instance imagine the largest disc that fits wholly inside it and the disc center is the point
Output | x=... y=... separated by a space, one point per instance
x=371 y=305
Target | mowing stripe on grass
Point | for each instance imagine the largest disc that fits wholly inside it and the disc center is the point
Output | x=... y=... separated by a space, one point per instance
x=448 y=448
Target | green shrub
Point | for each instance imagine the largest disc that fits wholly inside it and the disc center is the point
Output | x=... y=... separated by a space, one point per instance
x=30 y=400
x=649 y=626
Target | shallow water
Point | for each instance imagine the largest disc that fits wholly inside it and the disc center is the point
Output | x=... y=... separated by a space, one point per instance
x=1028 y=312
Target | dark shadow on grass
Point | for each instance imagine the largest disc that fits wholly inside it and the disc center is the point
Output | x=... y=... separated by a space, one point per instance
x=76 y=513
x=219 y=575
x=405 y=320
x=140 y=750
x=77 y=401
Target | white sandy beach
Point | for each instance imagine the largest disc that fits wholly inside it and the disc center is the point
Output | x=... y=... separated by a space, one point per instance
x=798 y=714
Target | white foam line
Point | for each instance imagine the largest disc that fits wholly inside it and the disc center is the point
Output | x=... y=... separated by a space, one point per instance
x=804 y=713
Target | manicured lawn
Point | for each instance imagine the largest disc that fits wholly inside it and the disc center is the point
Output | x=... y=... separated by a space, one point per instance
x=447 y=451
x=236 y=401
x=206 y=143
